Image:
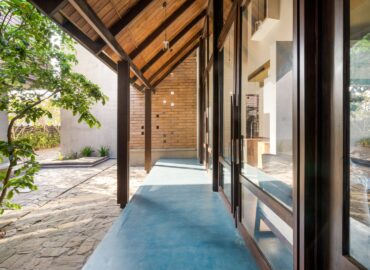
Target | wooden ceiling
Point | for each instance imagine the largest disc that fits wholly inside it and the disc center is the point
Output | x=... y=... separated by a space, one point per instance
x=133 y=30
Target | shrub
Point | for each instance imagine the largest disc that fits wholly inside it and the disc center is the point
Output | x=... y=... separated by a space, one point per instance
x=41 y=139
x=104 y=151
x=364 y=142
x=2 y=174
x=87 y=151
x=73 y=155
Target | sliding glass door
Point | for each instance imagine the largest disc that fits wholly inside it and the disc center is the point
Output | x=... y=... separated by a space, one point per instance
x=226 y=114
x=266 y=143
x=350 y=184
x=357 y=170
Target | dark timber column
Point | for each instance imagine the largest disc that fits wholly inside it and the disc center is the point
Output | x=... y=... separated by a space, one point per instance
x=217 y=88
x=148 y=130
x=201 y=60
x=123 y=133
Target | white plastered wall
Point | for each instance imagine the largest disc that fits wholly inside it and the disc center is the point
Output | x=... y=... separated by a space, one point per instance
x=74 y=135
x=259 y=52
x=3 y=125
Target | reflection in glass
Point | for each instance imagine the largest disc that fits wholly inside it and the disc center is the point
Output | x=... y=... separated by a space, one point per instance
x=210 y=117
x=226 y=181
x=227 y=94
x=272 y=235
x=360 y=131
x=267 y=98
x=210 y=31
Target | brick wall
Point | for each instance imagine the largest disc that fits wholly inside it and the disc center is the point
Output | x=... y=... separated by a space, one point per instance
x=172 y=126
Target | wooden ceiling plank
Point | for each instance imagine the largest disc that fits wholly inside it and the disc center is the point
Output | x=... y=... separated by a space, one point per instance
x=179 y=52
x=95 y=22
x=166 y=23
x=173 y=41
x=176 y=65
x=121 y=24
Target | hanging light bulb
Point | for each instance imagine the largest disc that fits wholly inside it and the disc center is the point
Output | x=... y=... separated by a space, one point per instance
x=172 y=92
x=164 y=101
x=166 y=43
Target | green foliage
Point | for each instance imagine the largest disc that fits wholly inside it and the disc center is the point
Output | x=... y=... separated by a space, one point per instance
x=36 y=65
x=104 y=151
x=364 y=142
x=22 y=176
x=87 y=151
x=41 y=139
x=71 y=156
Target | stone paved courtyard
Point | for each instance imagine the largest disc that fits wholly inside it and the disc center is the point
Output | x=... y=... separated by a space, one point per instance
x=62 y=222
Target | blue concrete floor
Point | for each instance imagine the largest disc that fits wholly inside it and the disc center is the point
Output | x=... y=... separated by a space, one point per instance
x=174 y=221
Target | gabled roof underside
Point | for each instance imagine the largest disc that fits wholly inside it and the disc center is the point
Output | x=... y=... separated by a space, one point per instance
x=135 y=30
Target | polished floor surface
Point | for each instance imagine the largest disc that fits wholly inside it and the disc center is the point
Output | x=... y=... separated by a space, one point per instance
x=174 y=221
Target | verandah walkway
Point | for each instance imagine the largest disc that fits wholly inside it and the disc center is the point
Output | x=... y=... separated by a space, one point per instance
x=174 y=221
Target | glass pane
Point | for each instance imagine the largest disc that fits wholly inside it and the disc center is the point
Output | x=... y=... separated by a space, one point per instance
x=226 y=181
x=227 y=4
x=210 y=32
x=272 y=235
x=227 y=95
x=210 y=116
x=360 y=131
x=267 y=100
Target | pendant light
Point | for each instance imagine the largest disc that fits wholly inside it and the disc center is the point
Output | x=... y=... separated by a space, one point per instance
x=166 y=43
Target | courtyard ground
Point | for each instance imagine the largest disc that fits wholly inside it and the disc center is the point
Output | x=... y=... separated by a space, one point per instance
x=62 y=222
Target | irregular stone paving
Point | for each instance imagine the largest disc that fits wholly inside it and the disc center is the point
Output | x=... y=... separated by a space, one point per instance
x=64 y=220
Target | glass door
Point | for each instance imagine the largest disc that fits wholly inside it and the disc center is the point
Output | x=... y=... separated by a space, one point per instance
x=356 y=171
x=266 y=121
x=226 y=114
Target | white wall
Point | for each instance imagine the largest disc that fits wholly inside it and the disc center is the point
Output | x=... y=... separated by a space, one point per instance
x=258 y=53
x=74 y=135
x=3 y=125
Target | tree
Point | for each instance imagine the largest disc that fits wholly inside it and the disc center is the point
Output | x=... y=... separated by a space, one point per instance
x=36 y=62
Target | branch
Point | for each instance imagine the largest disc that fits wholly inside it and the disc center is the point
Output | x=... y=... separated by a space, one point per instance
x=22 y=113
x=9 y=136
x=3 y=22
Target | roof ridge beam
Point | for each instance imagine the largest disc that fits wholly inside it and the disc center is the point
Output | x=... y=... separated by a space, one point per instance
x=163 y=26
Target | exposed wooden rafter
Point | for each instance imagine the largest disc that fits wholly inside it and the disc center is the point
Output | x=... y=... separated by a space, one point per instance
x=95 y=22
x=173 y=41
x=175 y=56
x=134 y=11
x=166 y=23
x=93 y=47
x=51 y=7
x=176 y=65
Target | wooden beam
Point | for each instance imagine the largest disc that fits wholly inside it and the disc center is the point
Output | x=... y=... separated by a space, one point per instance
x=231 y=17
x=163 y=26
x=122 y=23
x=49 y=7
x=148 y=130
x=173 y=41
x=92 y=46
x=173 y=58
x=217 y=89
x=201 y=99
x=95 y=22
x=176 y=65
x=123 y=133
x=75 y=32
